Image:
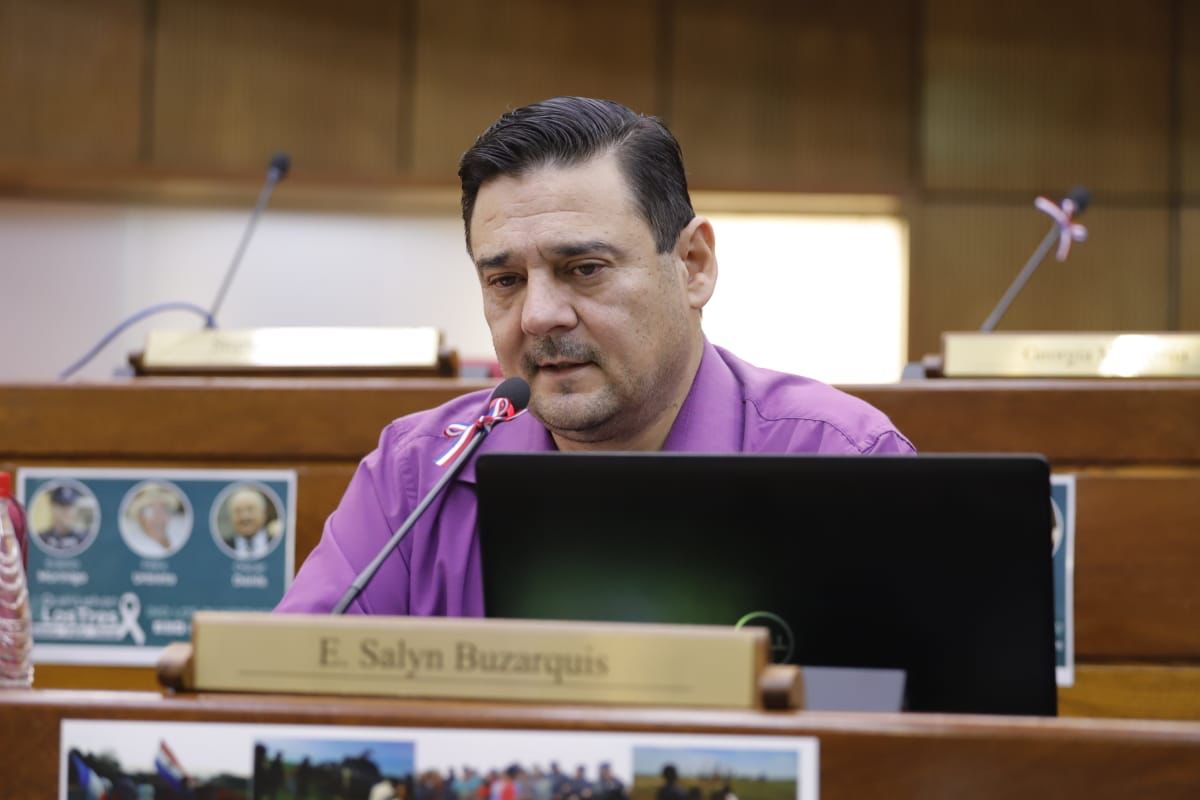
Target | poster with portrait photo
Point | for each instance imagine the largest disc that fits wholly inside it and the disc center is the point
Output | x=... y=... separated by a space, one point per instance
x=1062 y=540
x=124 y=557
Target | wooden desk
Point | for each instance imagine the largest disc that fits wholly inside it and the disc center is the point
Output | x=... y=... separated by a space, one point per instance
x=1135 y=446
x=862 y=755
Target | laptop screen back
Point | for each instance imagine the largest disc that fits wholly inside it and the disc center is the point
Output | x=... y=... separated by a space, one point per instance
x=937 y=565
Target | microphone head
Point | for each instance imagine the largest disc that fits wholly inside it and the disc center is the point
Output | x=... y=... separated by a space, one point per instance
x=279 y=166
x=515 y=390
x=1080 y=196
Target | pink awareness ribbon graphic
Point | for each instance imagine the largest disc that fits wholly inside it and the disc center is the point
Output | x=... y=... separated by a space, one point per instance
x=1068 y=231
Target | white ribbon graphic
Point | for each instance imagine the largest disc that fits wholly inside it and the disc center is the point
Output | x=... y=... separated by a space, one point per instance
x=130 y=607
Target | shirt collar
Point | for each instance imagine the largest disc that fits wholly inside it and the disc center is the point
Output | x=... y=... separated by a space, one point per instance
x=710 y=419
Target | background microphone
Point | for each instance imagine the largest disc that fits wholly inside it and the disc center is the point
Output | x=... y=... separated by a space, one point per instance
x=1081 y=197
x=277 y=170
x=515 y=394
x=1062 y=231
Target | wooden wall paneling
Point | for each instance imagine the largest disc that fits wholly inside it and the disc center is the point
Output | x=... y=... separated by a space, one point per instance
x=477 y=59
x=1132 y=691
x=1144 y=422
x=1150 y=424
x=1188 y=83
x=1189 y=273
x=963 y=257
x=237 y=80
x=211 y=419
x=84 y=676
x=807 y=97
x=1027 y=95
x=70 y=81
x=320 y=488
x=1137 y=554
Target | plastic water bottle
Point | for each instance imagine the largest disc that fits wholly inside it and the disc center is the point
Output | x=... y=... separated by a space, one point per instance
x=16 y=634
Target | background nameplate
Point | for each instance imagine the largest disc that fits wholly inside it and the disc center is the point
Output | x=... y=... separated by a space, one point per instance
x=1071 y=355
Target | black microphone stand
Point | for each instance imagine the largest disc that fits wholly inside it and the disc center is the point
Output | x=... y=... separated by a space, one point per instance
x=276 y=171
x=1079 y=197
x=1022 y=278
x=516 y=391
x=360 y=582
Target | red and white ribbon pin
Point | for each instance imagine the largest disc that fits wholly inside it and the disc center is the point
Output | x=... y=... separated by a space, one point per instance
x=500 y=410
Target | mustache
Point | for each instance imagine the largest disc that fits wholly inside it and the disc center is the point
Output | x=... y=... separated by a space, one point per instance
x=550 y=348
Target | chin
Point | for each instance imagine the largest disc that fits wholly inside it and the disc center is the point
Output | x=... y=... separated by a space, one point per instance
x=577 y=414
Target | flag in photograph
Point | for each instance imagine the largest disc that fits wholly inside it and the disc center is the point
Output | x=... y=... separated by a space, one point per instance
x=94 y=787
x=169 y=768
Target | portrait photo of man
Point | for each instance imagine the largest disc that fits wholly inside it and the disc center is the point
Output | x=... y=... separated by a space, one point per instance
x=156 y=519
x=65 y=516
x=248 y=521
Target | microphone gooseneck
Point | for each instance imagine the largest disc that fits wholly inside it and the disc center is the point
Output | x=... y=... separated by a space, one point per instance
x=1062 y=231
x=508 y=399
x=277 y=170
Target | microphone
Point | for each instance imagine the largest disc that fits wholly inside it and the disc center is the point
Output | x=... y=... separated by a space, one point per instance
x=507 y=401
x=1063 y=230
x=277 y=170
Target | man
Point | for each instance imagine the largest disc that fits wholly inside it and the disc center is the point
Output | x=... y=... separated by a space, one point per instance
x=65 y=532
x=609 y=786
x=159 y=528
x=670 y=790
x=594 y=270
x=248 y=513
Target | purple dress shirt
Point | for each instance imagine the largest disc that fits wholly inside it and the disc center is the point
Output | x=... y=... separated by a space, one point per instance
x=732 y=407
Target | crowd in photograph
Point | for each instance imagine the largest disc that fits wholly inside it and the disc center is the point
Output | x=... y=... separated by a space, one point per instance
x=520 y=782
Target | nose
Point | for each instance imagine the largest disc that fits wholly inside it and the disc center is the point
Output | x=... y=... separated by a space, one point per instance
x=546 y=306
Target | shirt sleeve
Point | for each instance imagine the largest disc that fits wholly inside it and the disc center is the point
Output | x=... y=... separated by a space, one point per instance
x=356 y=530
x=891 y=443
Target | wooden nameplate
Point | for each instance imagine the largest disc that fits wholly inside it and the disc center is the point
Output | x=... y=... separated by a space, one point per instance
x=481 y=659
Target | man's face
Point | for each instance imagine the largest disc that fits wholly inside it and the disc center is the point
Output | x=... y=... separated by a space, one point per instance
x=248 y=513
x=154 y=516
x=579 y=301
x=62 y=517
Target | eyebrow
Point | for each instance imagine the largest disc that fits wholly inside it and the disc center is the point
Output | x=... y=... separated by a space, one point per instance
x=568 y=249
x=564 y=250
x=491 y=262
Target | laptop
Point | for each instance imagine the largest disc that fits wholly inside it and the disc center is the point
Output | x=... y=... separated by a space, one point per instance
x=936 y=565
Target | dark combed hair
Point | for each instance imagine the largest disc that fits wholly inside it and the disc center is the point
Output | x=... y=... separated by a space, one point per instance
x=571 y=130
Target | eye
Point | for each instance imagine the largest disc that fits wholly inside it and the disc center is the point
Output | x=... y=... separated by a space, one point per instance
x=587 y=269
x=505 y=280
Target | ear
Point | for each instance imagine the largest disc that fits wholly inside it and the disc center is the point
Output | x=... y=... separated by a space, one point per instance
x=696 y=249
